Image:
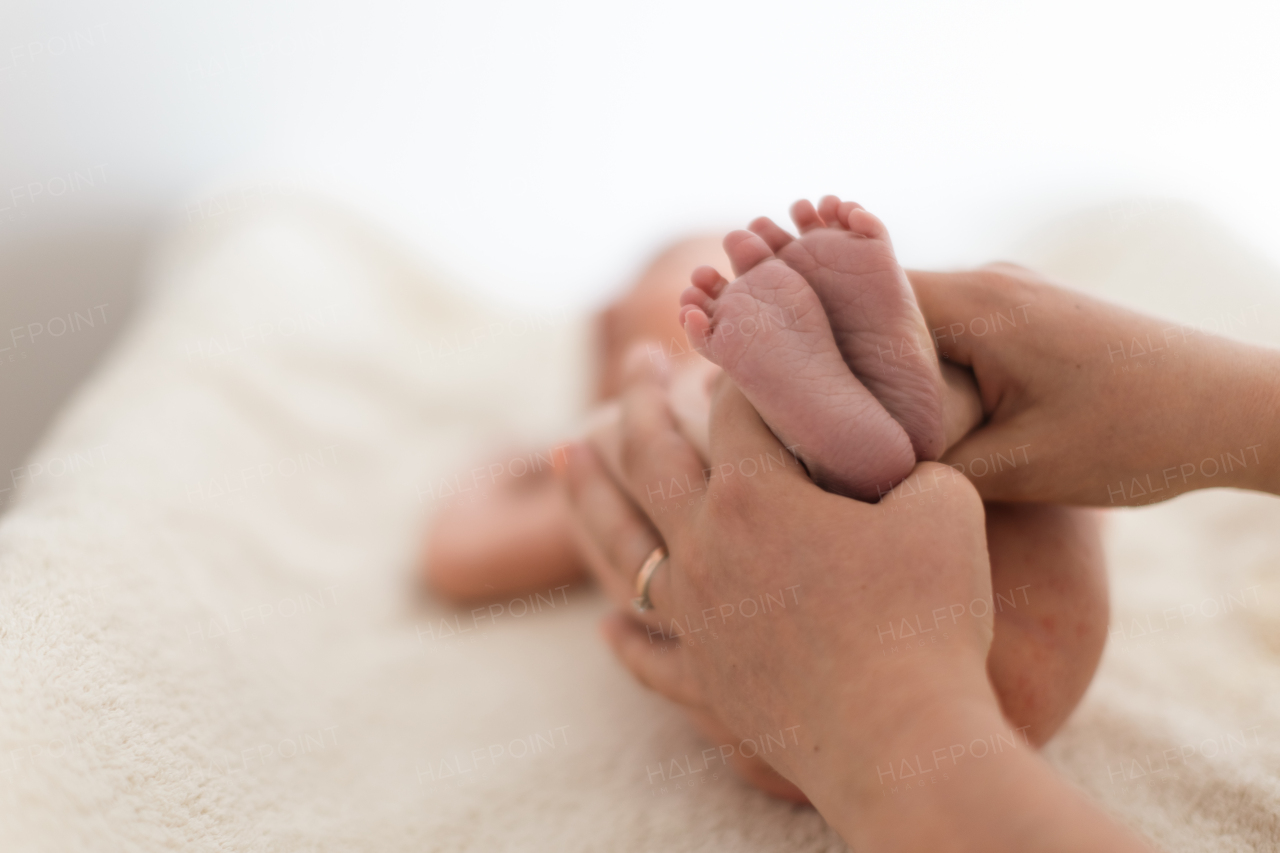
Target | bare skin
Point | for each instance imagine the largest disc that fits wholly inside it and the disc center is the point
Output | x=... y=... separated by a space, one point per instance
x=1044 y=650
x=859 y=718
x=768 y=330
x=1035 y=388
x=520 y=539
x=1052 y=371
x=845 y=254
x=516 y=538
x=846 y=258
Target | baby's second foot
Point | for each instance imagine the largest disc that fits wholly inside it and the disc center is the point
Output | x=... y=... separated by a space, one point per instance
x=845 y=254
x=769 y=332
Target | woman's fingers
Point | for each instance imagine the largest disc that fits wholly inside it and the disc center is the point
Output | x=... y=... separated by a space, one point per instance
x=660 y=468
x=662 y=482
x=689 y=394
x=604 y=434
x=961 y=404
x=948 y=309
x=657 y=662
x=744 y=447
x=614 y=537
x=971 y=314
x=997 y=459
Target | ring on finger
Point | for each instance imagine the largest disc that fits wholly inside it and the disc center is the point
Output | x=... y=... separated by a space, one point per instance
x=656 y=558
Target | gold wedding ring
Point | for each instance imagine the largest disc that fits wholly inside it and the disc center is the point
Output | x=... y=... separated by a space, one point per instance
x=656 y=558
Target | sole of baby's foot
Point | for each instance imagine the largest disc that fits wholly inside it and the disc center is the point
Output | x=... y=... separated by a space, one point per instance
x=768 y=331
x=845 y=254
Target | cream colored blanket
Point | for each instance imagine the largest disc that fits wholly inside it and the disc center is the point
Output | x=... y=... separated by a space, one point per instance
x=210 y=638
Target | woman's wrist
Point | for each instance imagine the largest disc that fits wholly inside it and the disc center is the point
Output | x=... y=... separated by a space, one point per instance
x=1241 y=421
x=889 y=740
x=1208 y=421
x=1262 y=406
x=871 y=801
x=958 y=777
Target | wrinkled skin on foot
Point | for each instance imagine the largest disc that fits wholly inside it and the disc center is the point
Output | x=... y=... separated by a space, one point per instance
x=767 y=329
x=846 y=256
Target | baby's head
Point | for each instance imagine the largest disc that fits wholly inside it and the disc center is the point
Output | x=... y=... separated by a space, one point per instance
x=650 y=310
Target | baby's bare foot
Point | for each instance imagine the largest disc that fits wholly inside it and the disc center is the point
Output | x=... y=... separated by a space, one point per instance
x=769 y=332
x=845 y=254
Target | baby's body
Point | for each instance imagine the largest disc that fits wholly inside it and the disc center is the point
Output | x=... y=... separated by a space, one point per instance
x=902 y=402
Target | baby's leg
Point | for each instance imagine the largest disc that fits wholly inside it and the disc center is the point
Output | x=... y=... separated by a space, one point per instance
x=1049 y=590
x=1048 y=561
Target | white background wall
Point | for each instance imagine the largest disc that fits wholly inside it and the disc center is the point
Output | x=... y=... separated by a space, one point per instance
x=542 y=149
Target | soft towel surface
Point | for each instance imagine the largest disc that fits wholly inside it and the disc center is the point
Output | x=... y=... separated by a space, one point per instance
x=209 y=637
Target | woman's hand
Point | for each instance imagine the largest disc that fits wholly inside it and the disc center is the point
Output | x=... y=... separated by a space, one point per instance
x=1088 y=403
x=806 y=672
x=772 y=611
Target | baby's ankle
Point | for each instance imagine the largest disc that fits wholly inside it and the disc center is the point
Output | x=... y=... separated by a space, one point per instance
x=961 y=404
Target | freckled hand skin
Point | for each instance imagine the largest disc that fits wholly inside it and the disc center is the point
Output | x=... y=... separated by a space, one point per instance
x=1100 y=428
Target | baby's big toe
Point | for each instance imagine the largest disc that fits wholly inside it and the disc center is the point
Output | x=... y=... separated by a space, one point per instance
x=862 y=222
x=769 y=231
x=708 y=280
x=745 y=251
x=697 y=328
